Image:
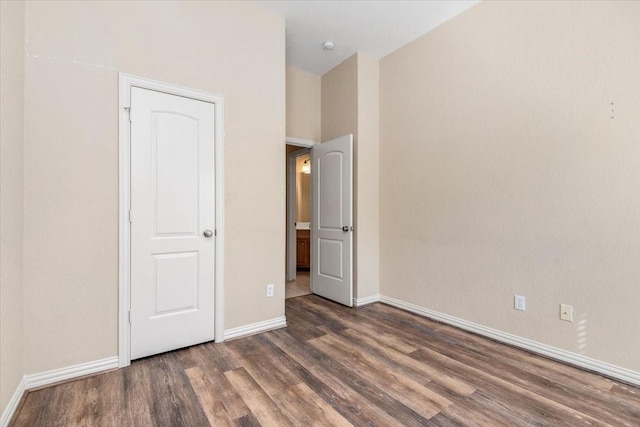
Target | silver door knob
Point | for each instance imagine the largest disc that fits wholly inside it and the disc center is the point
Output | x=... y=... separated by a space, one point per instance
x=208 y=233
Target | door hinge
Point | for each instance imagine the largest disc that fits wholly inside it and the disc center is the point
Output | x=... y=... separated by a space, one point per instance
x=129 y=316
x=128 y=110
x=130 y=215
x=215 y=232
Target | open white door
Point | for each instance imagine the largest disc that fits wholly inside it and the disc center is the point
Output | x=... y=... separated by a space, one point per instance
x=332 y=220
x=172 y=222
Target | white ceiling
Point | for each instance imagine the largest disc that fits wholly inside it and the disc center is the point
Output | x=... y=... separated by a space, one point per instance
x=374 y=27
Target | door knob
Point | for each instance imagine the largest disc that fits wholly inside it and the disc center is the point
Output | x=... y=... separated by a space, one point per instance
x=345 y=228
x=208 y=233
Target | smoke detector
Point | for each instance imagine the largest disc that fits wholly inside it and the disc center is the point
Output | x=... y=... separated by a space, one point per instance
x=328 y=45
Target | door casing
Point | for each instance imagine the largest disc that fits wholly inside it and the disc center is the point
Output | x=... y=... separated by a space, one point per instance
x=126 y=82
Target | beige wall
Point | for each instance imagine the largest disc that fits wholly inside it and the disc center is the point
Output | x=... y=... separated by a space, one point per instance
x=11 y=142
x=350 y=106
x=367 y=178
x=339 y=100
x=339 y=116
x=303 y=104
x=74 y=53
x=503 y=173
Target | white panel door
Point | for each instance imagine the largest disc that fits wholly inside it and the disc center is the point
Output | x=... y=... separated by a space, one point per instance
x=332 y=220
x=172 y=222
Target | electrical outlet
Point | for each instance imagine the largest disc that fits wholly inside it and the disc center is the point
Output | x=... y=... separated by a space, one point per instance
x=269 y=290
x=518 y=302
x=566 y=312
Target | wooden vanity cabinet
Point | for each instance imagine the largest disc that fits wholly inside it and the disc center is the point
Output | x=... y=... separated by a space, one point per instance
x=303 y=249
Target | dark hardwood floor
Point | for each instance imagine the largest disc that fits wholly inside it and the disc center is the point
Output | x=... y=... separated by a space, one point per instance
x=372 y=366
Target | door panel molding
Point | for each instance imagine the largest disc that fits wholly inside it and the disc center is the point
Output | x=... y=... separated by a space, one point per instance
x=126 y=83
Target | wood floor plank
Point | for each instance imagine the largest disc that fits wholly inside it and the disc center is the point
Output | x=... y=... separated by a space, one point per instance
x=33 y=407
x=375 y=332
x=365 y=404
x=533 y=372
x=136 y=394
x=210 y=401
x=346 y=401
x=265 y=369
x=339 y=366
x=248 y=420
x=507 y=354
x=582 y=400
x=529 y=402
x=89 y=410
x=174 y=403
x=404 y=364
x=261 y=405
x=214 y=377
x=414 y=395
x=473 y=411
x=357 y=321
x=57 y=410
x=304 y=407
x=626 y=393
x=298 y=328
x=311 y=317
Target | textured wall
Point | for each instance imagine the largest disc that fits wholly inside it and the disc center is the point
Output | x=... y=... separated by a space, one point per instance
x=303 y=104
x=350 y=106
x=11 y=143
x=74 y=53
x=503 y=173
x=367 y=151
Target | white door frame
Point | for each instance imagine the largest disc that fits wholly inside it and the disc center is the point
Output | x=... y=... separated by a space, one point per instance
x=126 y=82
x=291 y=203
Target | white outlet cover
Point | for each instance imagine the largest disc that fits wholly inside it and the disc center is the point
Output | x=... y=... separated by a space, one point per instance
x=566 y=312
x=519 y=302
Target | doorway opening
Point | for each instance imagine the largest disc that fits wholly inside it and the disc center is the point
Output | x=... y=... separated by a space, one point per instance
x=330 y=231
x=298 y=221
x=184 y=112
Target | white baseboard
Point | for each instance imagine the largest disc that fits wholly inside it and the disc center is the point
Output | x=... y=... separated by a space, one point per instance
x=254 y=328
x=13 y=404
x=623 y=374
x=70 y=372
x=359 y=302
